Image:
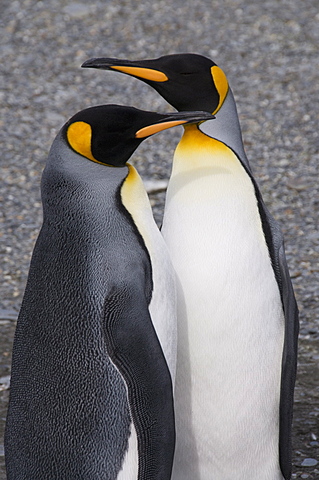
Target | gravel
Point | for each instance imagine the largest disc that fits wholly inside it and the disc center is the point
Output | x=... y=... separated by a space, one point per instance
x=269 y=52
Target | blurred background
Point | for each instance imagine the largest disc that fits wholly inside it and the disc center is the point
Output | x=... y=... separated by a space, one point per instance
x=269 y=51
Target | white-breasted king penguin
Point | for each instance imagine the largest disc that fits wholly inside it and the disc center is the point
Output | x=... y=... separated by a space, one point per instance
x=237 y=314
x=94 y=349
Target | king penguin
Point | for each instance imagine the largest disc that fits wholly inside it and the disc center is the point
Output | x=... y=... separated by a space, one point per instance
x=237 y=314
x=94 y=351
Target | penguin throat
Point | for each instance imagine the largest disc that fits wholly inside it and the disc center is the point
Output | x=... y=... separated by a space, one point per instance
x=201 y=165
x=197 y=150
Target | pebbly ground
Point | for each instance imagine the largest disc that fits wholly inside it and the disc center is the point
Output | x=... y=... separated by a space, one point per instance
x=269 y=52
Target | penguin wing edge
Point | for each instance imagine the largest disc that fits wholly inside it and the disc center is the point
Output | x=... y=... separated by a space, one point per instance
x=276 y=247
x=289 y=364
x=134 y=348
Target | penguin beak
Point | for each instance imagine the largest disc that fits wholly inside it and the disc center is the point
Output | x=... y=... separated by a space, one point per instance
x=173 y=120
x=128 y=67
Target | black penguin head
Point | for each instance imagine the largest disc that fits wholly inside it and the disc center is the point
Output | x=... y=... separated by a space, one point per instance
x=109 y=134
x=187 y=81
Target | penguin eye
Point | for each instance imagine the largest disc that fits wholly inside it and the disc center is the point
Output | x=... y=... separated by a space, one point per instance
x=188 y=73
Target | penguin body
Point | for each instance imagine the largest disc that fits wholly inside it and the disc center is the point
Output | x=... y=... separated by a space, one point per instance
x=92 y=370
x=237 y=315
x=230 y=318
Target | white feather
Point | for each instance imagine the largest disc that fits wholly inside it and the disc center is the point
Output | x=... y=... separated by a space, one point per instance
x=130 y=465
x=230 y=321
x=163 y=303
x=162 y=307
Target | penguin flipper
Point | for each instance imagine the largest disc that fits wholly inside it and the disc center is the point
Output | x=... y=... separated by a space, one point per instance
x=289 y=364
x=276 y=247
x=134 y=348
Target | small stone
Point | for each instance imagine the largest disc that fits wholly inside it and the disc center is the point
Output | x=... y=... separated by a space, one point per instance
x=295 y=273
x=298 y=183
x=77 y=10
x=8 y=314
x=309 y=462
x=154 y=186
x=5 y=383
x=54 y=118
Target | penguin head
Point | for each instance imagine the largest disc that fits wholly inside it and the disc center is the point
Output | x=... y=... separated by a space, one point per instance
x=187 y=81
x=109 y=134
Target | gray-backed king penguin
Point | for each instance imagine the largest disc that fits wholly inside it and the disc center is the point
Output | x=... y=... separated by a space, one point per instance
x=94 y=349
x=237 y=315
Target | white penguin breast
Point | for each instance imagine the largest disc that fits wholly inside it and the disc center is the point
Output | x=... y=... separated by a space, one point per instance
x=230 y=322
x=162 y=307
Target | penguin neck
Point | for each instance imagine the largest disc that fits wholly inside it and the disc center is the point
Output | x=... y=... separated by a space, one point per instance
x=209 y=182
x=226 y=128
x=198 y=149
x=136 y=202
x=200 y=158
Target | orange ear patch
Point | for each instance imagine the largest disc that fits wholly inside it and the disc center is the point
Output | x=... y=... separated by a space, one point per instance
x=79 y=135
x=221 y=84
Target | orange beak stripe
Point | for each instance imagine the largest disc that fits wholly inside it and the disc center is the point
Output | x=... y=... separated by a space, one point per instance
x=158 y=127
x=145 y=73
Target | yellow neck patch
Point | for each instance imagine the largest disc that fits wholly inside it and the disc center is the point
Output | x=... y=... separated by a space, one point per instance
x=199 y=147
x=221 y=84
x=145 y=73
x=79 y=135
x=131 y=180
x=136 y=202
